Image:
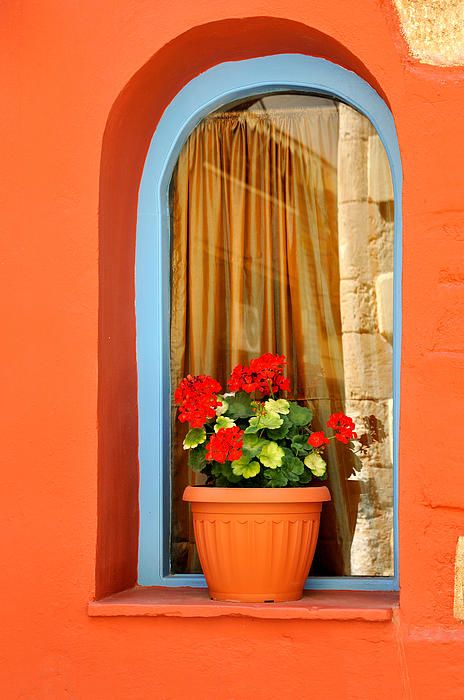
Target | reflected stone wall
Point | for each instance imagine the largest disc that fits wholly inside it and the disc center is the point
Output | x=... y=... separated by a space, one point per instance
x=366 y=271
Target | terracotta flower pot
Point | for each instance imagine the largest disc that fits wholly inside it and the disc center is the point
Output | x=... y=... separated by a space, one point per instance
x=256 y=545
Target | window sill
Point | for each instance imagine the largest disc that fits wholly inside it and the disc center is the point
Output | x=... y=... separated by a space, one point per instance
x=369 y=606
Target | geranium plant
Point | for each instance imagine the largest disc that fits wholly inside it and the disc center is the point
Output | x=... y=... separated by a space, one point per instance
x=252 y=436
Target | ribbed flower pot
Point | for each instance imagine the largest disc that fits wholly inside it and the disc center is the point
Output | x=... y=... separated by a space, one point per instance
x=256 y=545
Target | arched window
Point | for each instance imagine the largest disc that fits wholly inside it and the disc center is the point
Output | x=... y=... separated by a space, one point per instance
x=269 y=221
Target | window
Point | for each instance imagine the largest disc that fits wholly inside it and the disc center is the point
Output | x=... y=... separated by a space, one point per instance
x=273 y=209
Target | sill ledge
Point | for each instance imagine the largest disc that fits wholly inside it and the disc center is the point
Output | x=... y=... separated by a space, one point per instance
x=148 y=601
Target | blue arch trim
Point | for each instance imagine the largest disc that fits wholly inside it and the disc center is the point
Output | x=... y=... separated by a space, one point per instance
x=209 y=91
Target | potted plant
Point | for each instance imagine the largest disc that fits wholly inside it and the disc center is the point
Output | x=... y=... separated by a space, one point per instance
x=256 y=519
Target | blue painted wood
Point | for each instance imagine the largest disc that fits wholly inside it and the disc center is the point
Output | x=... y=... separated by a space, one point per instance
x=332 y=583
x=211 y=90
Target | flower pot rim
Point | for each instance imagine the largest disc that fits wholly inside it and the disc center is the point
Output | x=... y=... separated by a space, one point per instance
x=299 y=494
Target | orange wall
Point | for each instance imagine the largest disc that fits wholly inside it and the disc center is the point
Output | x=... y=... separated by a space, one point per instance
x=63 y=66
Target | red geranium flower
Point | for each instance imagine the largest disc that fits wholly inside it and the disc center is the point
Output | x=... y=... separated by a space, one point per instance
x=264 y=374
x=225 y=445
x=318 y=439
x=344 y=427
x=197 y=399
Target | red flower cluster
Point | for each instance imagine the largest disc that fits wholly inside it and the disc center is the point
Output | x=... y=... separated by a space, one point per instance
x=197 y=400
x=264 y=374
x=318 y=439
x=226 y=445
x=344 y=427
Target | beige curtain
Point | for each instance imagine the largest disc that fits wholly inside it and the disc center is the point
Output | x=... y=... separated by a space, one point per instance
x=255 y=268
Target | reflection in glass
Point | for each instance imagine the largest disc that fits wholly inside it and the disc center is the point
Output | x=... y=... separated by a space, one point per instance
x=282 y=241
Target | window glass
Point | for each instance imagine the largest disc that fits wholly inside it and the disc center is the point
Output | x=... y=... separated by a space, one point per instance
x=282 y=242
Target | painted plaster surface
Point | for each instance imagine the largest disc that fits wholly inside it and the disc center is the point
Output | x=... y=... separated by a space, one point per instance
x=434 y=30
x=83 y=85
x=459 y=581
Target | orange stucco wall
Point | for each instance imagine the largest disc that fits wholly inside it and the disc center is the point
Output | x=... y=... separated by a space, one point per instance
x=76 y=82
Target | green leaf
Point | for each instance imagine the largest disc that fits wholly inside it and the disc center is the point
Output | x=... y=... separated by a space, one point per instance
x=292 y=477
x=270 y=420
x=271 y=455
x=225 y=481
x=224 y=474
x=223 y=422
x=253 y=426
x=279 y=433
x=299 y=415
x=194 y=437
x=243 y=467
x=288 y=453
x=196 y=458
x=305 y=478
x=252 y=445
x=316 y=464
x=229 y=473
x=220 y=410
x=294 y=429
x=240 y=406
x=216 y=468
x=293 y=466
x=300 y=445
x=276 y=478
x=277 y=405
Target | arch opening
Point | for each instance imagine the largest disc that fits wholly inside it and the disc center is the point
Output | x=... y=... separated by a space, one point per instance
x=220 y=86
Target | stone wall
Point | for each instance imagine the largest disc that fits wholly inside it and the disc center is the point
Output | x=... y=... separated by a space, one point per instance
x=434 y=30
x=366 y=273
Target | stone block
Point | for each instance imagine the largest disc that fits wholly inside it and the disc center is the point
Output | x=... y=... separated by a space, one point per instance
x=372 y=546
x=365 y=241
x=379 y=173
x=352 y=124
x=378 y=489
x=378 y=456
x=352 y=170
x=381 y=248
x=360 y=409
x=384 y=298
x=380 y=220
x=358 y=307
x=434 y=30
x=374 y=419
x=353 y=234
x=368 y=366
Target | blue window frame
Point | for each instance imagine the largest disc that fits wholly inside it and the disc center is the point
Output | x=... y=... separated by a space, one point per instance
x=221 y=85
